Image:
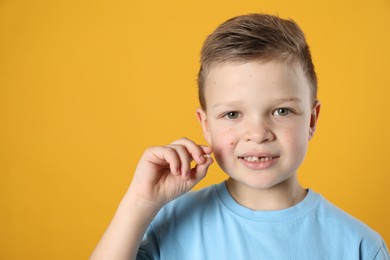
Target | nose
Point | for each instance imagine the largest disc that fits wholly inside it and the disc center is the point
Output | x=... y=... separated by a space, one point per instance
x=258 y=131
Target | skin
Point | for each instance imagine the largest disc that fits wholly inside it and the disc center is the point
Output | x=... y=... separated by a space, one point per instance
x=163 y=174
x=253 y=109
x=265 y=110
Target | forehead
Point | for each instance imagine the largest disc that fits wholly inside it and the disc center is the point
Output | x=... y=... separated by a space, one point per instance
x=255 y=80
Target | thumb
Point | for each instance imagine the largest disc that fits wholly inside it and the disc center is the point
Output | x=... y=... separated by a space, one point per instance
x=198 y=173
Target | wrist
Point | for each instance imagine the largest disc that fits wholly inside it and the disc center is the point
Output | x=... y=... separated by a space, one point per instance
x=137 y=204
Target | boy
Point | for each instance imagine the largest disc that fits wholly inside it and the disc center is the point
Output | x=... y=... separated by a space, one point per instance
x=259 y=109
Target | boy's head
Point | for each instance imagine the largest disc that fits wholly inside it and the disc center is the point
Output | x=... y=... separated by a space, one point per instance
x=259 y=85
x=256 y=37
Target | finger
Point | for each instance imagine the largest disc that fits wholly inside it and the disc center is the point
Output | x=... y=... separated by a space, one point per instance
x=207 y=150
x=166 y=156
x=196 y=151
x=199 y=172
x=184 y=157
x=206 y=153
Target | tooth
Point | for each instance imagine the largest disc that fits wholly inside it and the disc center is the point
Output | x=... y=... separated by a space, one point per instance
x=251 y=158
x=257 y=159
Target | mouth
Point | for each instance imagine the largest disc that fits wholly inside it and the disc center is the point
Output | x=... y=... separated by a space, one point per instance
x=257 y=158
x=259 y=161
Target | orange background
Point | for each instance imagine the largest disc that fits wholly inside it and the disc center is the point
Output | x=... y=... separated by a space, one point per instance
x=86 y=86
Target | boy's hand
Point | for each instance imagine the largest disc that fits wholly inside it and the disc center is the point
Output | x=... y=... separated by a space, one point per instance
x=164 y=173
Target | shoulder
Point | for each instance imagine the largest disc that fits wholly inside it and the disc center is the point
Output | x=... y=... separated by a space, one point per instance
x=193 y=199
x=338 y=218
x=341 y=225
x=189 y=205
x=178 y=224
x=185 y=215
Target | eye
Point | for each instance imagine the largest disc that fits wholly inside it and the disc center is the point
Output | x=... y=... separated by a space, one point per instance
x=232 y=115
x=281 y=112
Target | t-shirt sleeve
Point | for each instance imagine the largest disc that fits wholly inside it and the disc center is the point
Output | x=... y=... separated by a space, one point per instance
x=383 y=253
x=149 y=249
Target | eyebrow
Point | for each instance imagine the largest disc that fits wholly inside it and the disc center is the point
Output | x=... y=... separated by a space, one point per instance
x=276 y=101
x=231 y=103
x=289 y=99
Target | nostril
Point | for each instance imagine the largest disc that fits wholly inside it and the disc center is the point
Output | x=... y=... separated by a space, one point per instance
x=259 y=137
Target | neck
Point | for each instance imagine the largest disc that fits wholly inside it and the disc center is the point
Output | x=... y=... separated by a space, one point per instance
x=281 y=196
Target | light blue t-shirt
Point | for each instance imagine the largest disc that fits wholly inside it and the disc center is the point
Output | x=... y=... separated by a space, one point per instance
x=210 y=224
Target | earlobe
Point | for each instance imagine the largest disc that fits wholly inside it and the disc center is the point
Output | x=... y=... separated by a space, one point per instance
x=202 y=118
x=314 y=118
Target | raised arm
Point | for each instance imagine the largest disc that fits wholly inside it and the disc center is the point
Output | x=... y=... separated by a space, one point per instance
x=163 y=174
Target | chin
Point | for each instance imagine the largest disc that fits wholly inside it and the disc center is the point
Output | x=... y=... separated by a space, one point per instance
x=257 y=183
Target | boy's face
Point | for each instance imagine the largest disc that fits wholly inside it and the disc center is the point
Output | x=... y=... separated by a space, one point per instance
x=259 y=120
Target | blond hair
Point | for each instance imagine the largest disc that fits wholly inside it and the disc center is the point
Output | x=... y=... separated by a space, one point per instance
x=256 y=37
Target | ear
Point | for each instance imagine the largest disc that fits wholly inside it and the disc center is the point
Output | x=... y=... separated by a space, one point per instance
x=314 y=118
x=202 y=117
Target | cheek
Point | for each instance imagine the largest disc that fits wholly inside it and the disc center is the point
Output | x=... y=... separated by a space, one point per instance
x=223 y=136
x=296 y=140
x=224 y=143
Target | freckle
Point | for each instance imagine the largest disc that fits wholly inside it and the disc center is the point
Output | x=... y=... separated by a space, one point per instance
x=231 y=143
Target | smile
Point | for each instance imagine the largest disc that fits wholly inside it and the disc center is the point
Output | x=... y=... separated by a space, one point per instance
x=261 y=162
x=257 y=159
